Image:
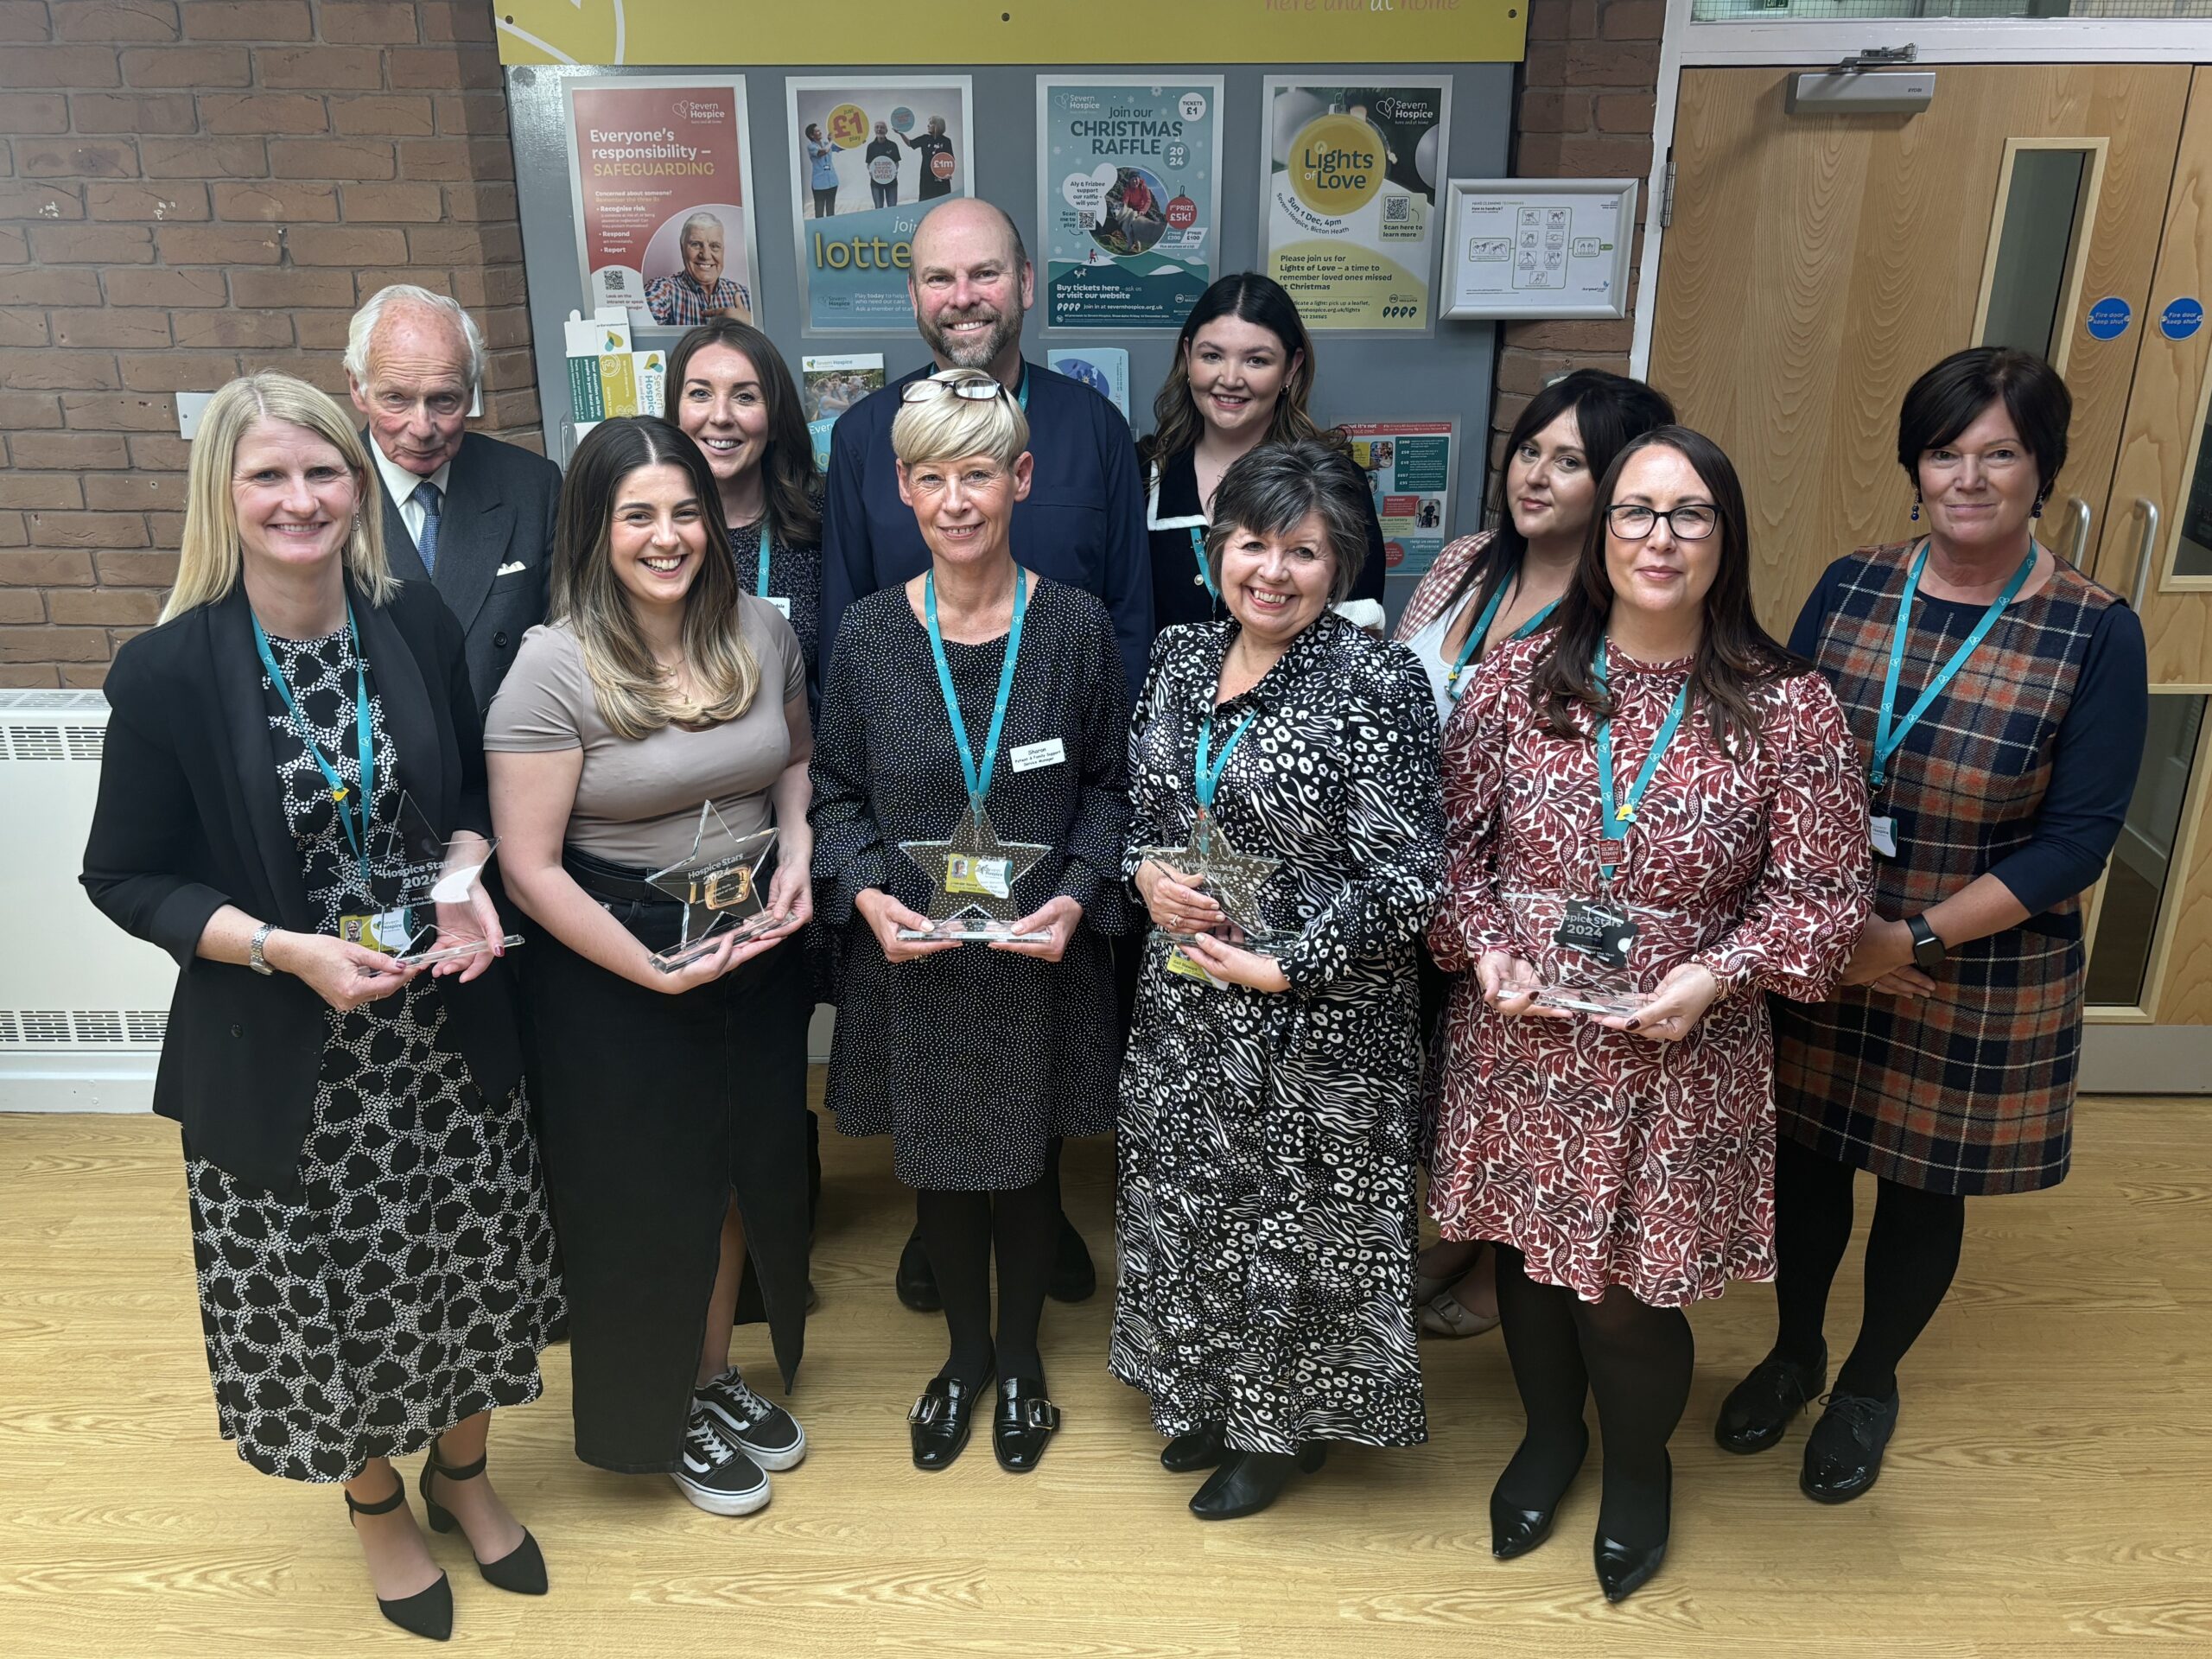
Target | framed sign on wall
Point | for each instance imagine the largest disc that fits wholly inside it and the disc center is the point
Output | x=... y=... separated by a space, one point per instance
x=1538 y=247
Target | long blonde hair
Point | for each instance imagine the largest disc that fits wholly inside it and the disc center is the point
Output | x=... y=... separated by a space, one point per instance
x=632 y=698
x=210 y=560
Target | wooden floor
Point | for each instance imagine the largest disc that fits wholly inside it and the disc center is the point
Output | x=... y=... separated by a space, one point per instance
x=2049 y=1490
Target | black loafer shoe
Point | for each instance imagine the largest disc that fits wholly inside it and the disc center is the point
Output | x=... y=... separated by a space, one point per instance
x=1761 y=1408
x=940 y=1422
x=1247 y=1482
x=1843 y=1455
x=1202 y=1448
x=915 y=1282
x=1074 y=1278
x=1023 y=1424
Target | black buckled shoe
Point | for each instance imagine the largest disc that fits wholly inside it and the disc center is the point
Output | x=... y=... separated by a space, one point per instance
x=1247 y=1482
x=1074 y=1278
x=916 y=1280
x=942 y=1419
x=1761 y=1408
x=1843 y=1455
x=1023 y=1424
x=1202 y=1448
x=427 y=1612
x=521 y=1570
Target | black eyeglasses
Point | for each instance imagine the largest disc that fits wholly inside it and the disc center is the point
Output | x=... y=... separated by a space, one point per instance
x=1692 y=522
x=929 y=386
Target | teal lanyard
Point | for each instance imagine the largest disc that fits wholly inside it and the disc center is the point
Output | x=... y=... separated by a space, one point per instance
x=978 y=777
x=1889 y=732
x=767 y=548
x=1198 y=552
x=1476 y=634
x=1613 y=820
x=1208 y=779
x=1021 y=392
x=347 y=801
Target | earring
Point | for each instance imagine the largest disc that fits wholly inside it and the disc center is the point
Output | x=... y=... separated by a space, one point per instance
x=2037 y=513
x=1916 y=506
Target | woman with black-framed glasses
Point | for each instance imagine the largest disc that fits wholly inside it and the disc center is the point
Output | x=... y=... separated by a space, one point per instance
x=1654 y=812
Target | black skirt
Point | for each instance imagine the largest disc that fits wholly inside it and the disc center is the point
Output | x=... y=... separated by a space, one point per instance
x=654 y=1110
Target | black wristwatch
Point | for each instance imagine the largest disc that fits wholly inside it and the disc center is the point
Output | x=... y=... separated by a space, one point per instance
x=1927 y=948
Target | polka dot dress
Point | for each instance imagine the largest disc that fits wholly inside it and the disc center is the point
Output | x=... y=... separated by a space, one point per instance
x=415 y=1286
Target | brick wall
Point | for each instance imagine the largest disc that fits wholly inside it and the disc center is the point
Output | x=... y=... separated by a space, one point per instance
x=194 y=188
x=1587 y=92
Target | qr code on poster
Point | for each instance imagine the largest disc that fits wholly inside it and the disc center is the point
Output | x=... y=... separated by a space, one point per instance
x=1086 y=221
x=1396 y=209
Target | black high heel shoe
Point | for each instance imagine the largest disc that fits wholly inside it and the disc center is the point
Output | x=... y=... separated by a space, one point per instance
x=1247 y=1482
x=1624 y=1568
x=427 y=1612
x=1515 y=1530
x=1202 y=1448
x=521 y=1570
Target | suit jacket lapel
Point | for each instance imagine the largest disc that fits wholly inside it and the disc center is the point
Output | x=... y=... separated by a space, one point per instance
x=473 y=537
x=237 y=667
x=407 y=714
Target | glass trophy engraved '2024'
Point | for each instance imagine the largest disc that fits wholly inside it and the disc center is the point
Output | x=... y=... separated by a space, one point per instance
x=426 y=885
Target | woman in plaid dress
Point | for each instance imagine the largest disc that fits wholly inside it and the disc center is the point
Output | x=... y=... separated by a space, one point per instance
x=1947 y=1068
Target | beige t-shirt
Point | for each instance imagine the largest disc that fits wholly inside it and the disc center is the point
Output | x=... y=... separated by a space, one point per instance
x=637 y=802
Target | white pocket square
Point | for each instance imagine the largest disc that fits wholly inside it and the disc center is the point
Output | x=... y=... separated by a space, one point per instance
x=509 y=569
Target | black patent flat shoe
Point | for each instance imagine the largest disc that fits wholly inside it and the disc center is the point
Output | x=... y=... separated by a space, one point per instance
x=1622 y=1569
x=916 y=1280
x=521 y=1571
x=1843 y=1455
x=427 y=1612
x=1074 y=1278
x=942 y=1419
x=1515 y=1530
x=1248 y=1482
x=1761 y=1408
x=1023 y=1424
x=1202 y=1448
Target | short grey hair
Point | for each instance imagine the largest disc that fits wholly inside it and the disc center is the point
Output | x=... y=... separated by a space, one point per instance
x=701 y=217
x=1275 y=487
x=361 y=331
x=950 y=427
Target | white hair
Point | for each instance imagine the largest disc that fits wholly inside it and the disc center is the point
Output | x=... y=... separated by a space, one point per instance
x=701 y=217
x=362 y=330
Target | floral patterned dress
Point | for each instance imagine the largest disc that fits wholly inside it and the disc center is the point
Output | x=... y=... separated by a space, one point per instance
x=1604 y=1158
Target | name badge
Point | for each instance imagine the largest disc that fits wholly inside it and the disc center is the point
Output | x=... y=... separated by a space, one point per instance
x=1882 y=831
x=783 y=605
x=1188 y=966
x=1030 y=756
x=389 y=931
x=1599 y=929
x=964 y=873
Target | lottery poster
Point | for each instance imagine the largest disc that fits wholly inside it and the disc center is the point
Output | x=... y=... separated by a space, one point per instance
x=872 y=154
x=662 y=190
x=831 y=385
x=1408 y=467
x=1129 y=209
x=1349 y=220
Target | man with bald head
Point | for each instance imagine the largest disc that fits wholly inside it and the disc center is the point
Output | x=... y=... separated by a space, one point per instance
x=471 y=516
x=1082 y=523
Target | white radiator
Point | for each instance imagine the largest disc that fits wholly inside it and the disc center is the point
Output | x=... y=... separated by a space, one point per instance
x=82 y=1003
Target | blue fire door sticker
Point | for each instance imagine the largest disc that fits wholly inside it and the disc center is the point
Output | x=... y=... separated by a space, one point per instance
x=2108 y=318
x=2180 y=318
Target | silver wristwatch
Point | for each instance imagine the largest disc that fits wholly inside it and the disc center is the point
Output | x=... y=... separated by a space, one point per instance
x=254 y=959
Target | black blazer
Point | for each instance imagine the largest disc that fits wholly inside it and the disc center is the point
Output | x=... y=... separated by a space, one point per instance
x=495 y=544
x=188 y=820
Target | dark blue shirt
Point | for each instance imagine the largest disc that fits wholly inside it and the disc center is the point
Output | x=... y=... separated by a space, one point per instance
x=1083 y=522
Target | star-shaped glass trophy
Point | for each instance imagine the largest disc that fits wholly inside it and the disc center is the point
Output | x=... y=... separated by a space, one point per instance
x=720 y=888
x=1232 y=879
x=426 y=885
x=972 y=875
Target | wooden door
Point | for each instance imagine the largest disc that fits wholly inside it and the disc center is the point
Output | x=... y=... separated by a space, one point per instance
x=1816 y=264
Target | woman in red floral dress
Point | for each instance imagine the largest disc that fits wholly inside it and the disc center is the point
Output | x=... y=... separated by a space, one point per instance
x=1657 y=803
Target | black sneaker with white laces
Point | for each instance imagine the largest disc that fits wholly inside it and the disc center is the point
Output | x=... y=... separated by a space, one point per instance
x=768 y=1433
x=714 y=1473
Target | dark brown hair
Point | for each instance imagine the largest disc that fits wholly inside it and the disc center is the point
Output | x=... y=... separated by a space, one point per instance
x=1950 y=397
x=1263 y=302
x=1735 y=656
x=788 y=478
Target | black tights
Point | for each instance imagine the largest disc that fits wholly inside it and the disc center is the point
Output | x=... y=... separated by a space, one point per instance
x=959 y=1230
x=1912 y=1254
x=1634 y=1357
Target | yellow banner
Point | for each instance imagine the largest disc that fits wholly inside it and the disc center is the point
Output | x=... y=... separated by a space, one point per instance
x=957 y=33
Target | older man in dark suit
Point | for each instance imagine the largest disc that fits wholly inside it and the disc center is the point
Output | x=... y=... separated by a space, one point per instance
x=470 y=515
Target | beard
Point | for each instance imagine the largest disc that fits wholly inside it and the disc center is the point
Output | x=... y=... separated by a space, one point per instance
x=972 y=351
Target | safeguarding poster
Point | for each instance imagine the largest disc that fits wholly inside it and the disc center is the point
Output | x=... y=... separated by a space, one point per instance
x=1129 y=187
x=872 y=154
x=663 y=194
x=1408 y=465
x=1349 y=223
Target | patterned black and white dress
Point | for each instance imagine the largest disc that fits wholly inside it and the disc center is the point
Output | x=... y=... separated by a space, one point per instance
x=416 y=1285
x=1266 y=1220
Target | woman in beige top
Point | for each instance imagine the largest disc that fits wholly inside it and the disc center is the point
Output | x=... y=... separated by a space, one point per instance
x=663 y=711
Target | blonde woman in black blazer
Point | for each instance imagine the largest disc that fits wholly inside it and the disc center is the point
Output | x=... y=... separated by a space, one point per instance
x=374 y=1252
